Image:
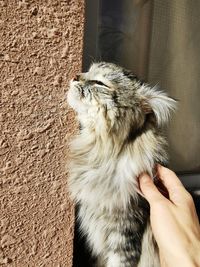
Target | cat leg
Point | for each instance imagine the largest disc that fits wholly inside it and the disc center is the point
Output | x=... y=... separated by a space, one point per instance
x=119 y=260
x=149 y=254
x=114 y=260
x=100 y=262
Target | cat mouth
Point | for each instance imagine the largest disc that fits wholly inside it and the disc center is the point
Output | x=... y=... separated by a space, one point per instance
x=75 y=90
x=74 y=85
x=75 y=95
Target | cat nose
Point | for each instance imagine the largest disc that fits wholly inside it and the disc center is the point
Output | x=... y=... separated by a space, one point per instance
x=77 y=78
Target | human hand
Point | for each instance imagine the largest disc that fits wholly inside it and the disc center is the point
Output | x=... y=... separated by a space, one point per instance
x=174 y=221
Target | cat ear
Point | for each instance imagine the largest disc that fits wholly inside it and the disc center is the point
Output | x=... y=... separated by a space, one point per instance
x=158 y=103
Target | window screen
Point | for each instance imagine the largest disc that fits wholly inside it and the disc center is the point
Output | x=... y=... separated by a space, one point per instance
x=159 y=41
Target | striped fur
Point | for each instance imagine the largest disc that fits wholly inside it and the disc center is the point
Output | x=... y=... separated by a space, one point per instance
x=120 y=137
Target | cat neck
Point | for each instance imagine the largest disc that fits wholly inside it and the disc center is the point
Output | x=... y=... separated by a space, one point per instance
x=144 y=151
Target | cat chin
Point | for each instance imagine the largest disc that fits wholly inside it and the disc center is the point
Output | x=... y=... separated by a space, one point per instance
x=73 y=99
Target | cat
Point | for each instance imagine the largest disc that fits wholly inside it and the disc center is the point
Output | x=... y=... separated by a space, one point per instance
x=121 y=120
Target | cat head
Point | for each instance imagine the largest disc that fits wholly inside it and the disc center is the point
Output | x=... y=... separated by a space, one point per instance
x=110 y=98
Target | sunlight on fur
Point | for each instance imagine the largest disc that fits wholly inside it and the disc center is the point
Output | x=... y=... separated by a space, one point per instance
x=121 y=136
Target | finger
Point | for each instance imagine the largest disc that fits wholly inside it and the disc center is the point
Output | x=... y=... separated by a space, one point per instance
x=149 y=190
x=162 y=260
x=176 y=190
x=168 y=177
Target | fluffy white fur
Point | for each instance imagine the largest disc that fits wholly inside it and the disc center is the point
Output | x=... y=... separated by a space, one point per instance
x=104 y=167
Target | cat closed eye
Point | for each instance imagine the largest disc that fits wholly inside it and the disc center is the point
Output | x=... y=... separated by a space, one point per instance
x=99 y=83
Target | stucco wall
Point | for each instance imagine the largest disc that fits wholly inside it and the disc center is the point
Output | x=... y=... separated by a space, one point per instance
x=40 y=51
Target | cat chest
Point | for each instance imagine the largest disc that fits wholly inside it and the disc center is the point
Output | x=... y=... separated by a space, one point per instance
x=105 y=186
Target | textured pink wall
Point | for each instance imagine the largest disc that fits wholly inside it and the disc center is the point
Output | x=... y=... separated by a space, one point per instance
x=40 y=50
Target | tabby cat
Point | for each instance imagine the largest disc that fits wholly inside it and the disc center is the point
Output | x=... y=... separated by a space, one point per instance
x=120 y=137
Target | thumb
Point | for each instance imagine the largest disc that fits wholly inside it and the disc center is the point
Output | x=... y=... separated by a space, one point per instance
x=150 y=191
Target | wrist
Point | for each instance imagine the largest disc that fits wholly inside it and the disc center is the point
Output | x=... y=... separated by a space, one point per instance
x=183 y=258
x=191 y=257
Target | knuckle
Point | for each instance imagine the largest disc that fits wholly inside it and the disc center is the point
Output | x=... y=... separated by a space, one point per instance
x=188 y=198
x=159 y=204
